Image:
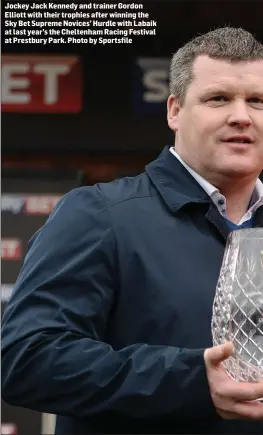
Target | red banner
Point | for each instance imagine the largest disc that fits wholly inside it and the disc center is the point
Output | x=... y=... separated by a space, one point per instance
x=11 y=249
x=41 y=84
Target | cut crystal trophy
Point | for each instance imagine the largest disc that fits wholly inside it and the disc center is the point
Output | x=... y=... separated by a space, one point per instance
x=238 y=305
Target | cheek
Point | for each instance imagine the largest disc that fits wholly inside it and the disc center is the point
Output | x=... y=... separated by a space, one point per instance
x=212 y=125
x=202 y=124
x=204 y=127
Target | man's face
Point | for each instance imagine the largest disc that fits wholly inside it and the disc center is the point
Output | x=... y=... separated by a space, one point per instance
x=224 y=101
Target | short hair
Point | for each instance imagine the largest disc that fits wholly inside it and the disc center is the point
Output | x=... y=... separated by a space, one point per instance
x=227 y=43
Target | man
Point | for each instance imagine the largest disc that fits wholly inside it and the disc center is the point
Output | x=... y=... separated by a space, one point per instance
x=109 y=325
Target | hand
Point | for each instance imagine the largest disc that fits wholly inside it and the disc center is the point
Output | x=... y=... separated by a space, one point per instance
x=232 y=400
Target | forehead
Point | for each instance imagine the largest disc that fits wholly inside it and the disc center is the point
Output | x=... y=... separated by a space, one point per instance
x=209 y=73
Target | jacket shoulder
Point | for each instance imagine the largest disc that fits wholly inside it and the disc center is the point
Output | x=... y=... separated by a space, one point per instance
x=126 y=188
x=101 y=196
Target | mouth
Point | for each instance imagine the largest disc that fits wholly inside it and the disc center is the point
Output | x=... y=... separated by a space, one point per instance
x=239 y=140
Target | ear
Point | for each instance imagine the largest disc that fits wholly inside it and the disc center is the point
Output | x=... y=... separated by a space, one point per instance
x=173 y=108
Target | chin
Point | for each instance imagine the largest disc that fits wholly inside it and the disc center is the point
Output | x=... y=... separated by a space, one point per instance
x=240 y=170
x=241 y=165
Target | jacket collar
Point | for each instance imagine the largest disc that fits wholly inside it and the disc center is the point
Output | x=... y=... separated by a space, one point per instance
x=174 y=183
x=177 y=186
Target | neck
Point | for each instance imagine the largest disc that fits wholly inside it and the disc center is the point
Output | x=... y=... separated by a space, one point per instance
x=238 y=195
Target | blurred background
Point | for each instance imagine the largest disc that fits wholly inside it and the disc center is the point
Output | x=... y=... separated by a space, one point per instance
x=102 y=119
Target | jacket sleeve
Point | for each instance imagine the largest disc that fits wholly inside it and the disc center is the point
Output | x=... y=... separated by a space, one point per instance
x=54 y=358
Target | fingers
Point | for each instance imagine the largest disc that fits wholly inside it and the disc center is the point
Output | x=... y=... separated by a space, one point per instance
x=232 y=400
x=249 y=411
x=215 y=355
x=229 y=408
x=243 y=412
x=243 y=391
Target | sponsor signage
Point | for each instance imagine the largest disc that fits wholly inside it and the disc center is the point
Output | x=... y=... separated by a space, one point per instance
x=8 y=429
x=12 y=203
x=151 y=85
x=29 y=204
x=11 y=249
x=41 y=83
x=6 y=291
x=40 y=204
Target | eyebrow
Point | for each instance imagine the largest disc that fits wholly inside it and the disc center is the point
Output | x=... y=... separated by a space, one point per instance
x=226 y=90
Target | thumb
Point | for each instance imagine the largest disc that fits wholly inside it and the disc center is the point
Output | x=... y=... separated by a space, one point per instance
x=215 y=355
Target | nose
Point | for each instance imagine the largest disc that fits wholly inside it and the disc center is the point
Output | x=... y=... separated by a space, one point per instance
x=239 y=116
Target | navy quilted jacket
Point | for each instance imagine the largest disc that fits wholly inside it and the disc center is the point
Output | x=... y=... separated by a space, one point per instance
x=111 y=312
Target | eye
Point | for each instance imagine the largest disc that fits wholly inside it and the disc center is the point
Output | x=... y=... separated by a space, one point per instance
x=256 y=100
x=219 y=98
